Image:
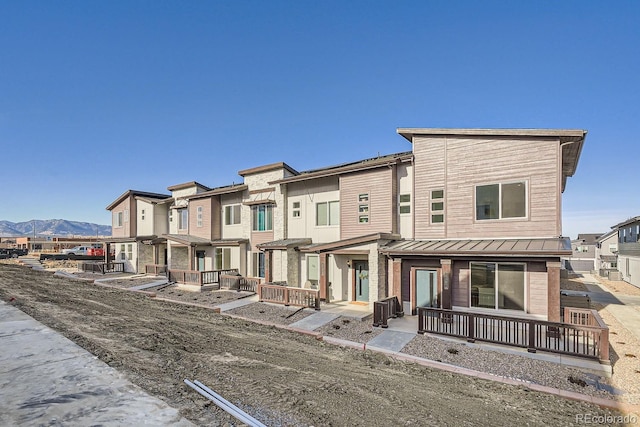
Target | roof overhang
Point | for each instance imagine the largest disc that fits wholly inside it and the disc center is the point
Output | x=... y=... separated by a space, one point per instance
x=345 y=243
x=219 y=191
x=135 y=193
x=627 y=222
x=268 y=168
x=284 y=244
x=549 y=247
x=148 y=240
x=259 y=202
x=347 y=168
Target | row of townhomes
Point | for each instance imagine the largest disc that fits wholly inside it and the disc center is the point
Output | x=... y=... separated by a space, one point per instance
x=466 y=219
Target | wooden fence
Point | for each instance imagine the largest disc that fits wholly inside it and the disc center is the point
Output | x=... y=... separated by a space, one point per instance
x=102 y=267
x=239 y=283
x=156 y=269
x=198 y=278
x=289 y=295
x=385 y=309
x=588 y=337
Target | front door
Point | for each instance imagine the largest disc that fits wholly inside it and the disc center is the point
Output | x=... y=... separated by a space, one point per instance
x=427 y=288
x=362 y=280
x=200 y=259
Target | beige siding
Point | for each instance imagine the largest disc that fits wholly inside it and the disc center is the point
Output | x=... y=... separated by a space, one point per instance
x=309 y=193
x=204 y=230
x=145 y=226
x=258 y=237
x=459 y=164
x=128 y=227
x=538 y=299
x=379 y=185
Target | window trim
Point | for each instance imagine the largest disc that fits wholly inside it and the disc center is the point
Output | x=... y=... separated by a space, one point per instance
x=525 y=288
x=183 y=219
x=118 y=219
x=231 y=209
x=328 y=203
x=296 y=211
x=500 y=207
x=199 y=215
x=438 y=212
x=402 y=204
x=268 y=218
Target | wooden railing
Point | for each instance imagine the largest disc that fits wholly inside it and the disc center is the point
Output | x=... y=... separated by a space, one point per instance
x=102 y=267
x=288 y=295
x=198 y=278
x=589 y=339
x=385 y=309
x=155 y=269
x=239 y=283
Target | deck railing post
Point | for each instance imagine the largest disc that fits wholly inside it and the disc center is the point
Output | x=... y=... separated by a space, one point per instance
x=421 y=329
x=532 y=337
x=471 y=328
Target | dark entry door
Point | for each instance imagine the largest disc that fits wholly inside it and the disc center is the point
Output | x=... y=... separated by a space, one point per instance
x=200 y=259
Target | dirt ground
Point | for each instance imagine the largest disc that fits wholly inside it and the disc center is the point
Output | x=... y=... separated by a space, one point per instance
x=282 y=378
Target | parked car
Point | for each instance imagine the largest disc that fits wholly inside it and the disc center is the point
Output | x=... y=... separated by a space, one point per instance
x=12 y=252
x=76 y=250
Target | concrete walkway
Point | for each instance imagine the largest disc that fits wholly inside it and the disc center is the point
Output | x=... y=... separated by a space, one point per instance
x=33 y=263
x=46 y=379
x=315 y=321
x=237 y=303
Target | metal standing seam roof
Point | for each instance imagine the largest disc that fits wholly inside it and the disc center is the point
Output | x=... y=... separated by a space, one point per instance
x=481 y=247
x=285 y=243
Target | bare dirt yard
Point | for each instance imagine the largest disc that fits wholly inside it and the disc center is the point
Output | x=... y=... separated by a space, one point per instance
x=280 y=377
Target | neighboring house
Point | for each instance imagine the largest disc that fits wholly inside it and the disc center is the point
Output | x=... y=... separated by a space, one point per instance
x=583 y=257
x=139 y=219
x=629 y=250
x=468 y=219
x=607 y=255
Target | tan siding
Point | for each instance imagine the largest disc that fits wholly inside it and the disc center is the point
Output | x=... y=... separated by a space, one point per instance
x=429 y=174
x=205 y=230
x=462 y=163
x=258 y=237
x=537 y=295
x=379 y=185
x=125 y=230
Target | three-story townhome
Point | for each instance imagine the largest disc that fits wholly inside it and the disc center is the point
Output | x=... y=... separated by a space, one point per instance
x=487 y=221
x=139 y=219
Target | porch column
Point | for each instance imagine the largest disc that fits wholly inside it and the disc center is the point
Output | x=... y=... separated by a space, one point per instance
x=553 y=291
x=191 y=257
x=324 y=284
x=107 y=252
x=446 y=283
x=268 y=276
x=396 y=278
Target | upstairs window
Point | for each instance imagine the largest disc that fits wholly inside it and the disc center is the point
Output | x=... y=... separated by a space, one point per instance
x=222 y=259
x=170 y=215
x=437 y=206
x=363 y=208
x=142 y=215
x=500 y=201
x=232 y=215
x=328 y=213
x=404 y=204
x=126 y=215
x=262 y=218
x=183 y=219
x=199 y=216
x=117 y=219
x=295 y=211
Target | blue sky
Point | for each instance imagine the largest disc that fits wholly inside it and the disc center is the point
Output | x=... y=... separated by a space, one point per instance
x=100 y=97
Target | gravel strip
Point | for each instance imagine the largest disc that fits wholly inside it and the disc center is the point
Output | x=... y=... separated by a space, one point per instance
x=211 y=298
x=271 y=313
x=128 y=283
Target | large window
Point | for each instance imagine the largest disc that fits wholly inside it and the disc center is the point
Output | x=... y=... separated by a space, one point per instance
x=497 y=286
x=222 y=259
x=232 y=215
x=117 y=219
x=498 y=201
x=183 y=219
x=328 y=213
x=258 y=264
x=262 y=218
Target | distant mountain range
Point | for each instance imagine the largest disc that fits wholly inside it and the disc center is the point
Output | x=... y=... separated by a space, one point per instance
x=52 y=227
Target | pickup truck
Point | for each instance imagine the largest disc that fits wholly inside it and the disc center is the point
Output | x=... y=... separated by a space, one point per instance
x=12 y=252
